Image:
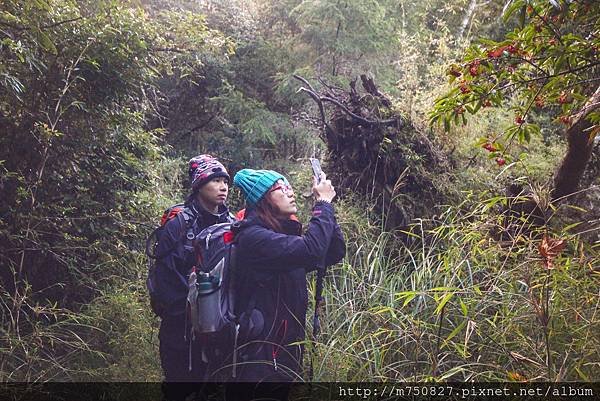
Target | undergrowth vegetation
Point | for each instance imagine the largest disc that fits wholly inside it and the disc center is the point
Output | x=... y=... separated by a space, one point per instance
x=451 y=302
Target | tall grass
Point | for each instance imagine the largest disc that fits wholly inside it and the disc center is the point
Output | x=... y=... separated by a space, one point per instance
x=462 y=296
x=448 y=300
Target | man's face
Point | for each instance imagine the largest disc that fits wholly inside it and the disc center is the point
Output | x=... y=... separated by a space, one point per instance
x=214 y=193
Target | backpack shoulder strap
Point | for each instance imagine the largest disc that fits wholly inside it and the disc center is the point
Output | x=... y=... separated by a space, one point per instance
x=188 y=218
x=236 y=271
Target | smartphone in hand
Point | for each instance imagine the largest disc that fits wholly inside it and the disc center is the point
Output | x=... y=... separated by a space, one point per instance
x=316 y=168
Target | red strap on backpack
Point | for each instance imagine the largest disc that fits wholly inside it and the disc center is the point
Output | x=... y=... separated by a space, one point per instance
x=170 y=214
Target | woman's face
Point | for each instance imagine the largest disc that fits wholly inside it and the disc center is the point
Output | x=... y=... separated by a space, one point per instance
x=282 y=197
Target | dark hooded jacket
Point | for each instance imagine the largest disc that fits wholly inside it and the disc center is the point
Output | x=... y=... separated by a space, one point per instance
x=172 y=270
x=274 y=267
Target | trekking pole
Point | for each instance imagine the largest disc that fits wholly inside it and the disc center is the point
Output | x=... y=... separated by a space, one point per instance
x=316 y=318
x=316 y=165
x=318 y=301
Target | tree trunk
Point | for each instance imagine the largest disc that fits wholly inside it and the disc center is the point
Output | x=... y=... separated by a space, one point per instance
x=580 y=142
x=467 y=18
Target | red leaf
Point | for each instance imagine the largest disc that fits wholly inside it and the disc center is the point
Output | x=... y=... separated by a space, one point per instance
x=549 y=249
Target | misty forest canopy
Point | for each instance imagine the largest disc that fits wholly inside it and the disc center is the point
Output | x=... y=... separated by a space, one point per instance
x=462 y=138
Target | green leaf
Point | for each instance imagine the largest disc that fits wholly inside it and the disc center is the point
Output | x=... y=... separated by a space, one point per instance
x=594 y=117
x=534 y=129
x=570 y=226
x=443 y=302
x=582 y=375
x=511 y=7
x=42 y=5
x=409 y=233
x=463 y=308
x=493 y=201
x=454 y=333
x=9 y=18
x=408 y=299
x=527 y=133
x=442 y=289
x=521 y=133
x=384 y=310
x=579 y=209
x=560 y=62
x=46 y=43
x=407 y=296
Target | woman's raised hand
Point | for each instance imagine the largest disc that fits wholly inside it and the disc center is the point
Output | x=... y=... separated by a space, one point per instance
x=323 y=191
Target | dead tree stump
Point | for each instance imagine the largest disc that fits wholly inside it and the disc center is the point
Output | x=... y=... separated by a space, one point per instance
x=377 y=153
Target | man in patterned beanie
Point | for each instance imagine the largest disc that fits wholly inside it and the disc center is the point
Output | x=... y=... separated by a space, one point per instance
x=182 y=357
x=209 y=181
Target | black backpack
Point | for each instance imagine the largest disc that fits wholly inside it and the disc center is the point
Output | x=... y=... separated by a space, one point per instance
x=188 y=217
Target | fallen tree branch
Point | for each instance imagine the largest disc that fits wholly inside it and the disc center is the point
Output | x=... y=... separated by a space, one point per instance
x=359 y=118
x=324 y=125
x=320 y=99
x=305 y=82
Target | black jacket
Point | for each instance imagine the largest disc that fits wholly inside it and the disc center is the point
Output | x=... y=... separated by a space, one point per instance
x=275 y=267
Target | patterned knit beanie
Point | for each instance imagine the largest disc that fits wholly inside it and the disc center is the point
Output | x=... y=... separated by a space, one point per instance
x=256 y=183
x=204 y=168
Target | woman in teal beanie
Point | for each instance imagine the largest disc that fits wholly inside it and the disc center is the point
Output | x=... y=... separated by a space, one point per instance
x=276 y=257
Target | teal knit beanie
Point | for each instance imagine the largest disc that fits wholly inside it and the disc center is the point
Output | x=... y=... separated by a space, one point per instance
x=255 y=183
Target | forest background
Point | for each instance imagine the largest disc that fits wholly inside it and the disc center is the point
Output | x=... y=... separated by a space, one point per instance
x=461 y=136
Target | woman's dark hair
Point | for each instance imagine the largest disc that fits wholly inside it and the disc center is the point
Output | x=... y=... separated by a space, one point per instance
x=267 y=212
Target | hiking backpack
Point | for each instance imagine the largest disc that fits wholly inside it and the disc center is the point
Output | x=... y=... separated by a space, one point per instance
x=188 y=223
x=213 y=283
x=211 y=297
